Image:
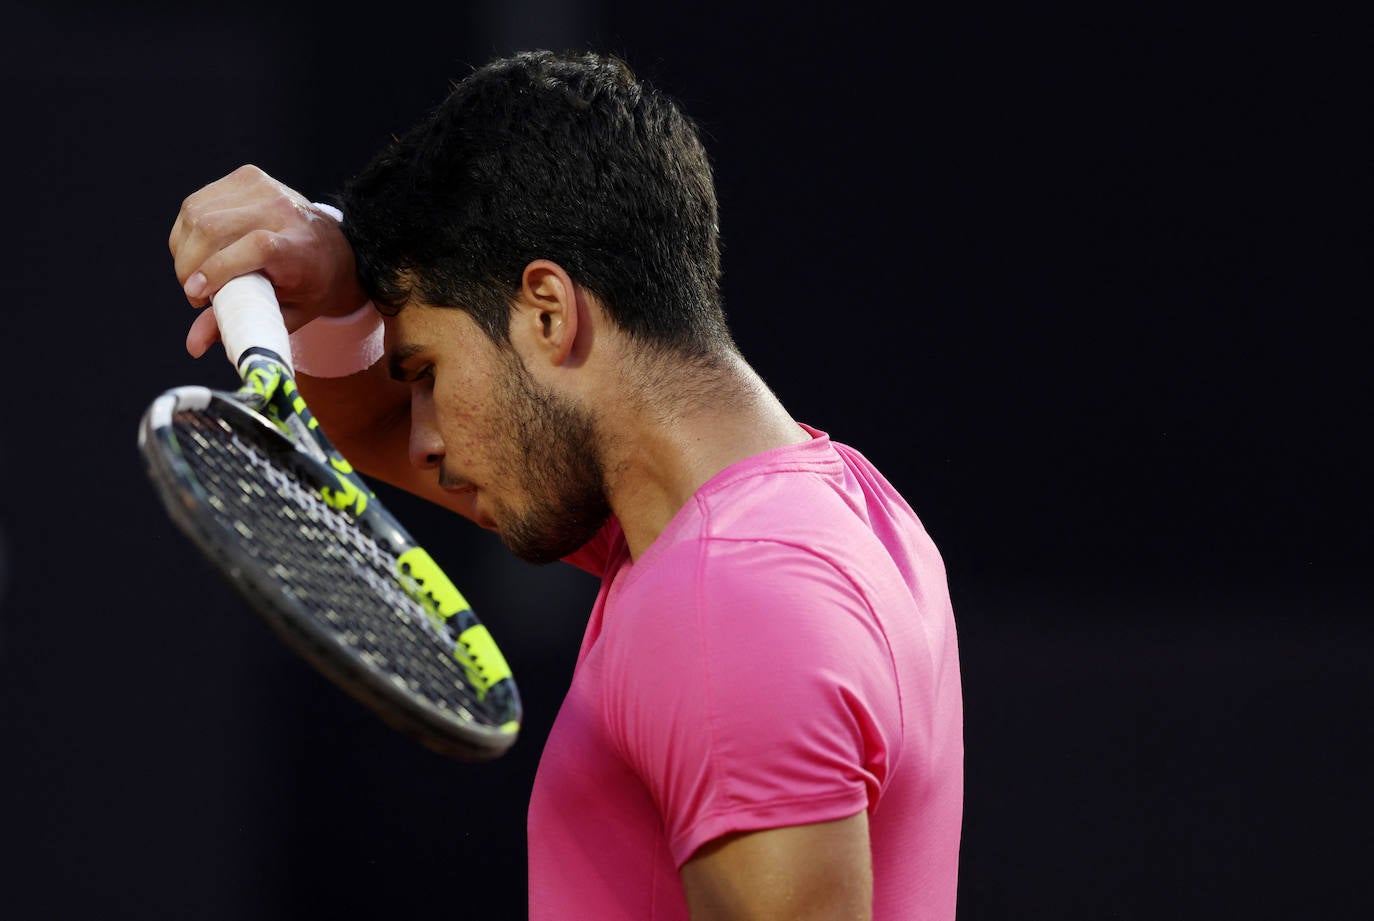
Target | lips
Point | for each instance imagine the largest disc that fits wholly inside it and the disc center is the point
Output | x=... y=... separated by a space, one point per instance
x=458 y=487
x=482 y=519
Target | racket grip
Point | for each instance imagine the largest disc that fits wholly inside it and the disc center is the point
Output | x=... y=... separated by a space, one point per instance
x=249 y=316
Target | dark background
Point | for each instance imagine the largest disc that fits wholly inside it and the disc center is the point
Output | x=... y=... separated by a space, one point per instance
x=1089 y=288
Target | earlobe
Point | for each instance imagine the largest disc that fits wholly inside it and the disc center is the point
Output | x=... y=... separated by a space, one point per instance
x=549 y=309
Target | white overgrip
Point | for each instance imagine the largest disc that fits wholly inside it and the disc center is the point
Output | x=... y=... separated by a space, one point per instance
x=249 y=316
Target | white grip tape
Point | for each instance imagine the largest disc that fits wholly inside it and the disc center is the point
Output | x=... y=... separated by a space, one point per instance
x=248 y=315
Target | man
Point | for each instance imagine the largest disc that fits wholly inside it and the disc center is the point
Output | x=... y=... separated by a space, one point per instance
x=765 y=720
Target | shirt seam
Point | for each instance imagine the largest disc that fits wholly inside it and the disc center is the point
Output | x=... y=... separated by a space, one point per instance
x=699 y=598
x=741 y=808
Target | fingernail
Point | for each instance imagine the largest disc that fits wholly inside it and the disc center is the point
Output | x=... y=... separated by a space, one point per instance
x=195 y=285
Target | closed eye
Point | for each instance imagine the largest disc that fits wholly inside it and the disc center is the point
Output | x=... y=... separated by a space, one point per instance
x=400 y=368
x=423 y=374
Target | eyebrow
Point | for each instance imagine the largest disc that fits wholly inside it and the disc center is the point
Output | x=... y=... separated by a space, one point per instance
x=399 y=356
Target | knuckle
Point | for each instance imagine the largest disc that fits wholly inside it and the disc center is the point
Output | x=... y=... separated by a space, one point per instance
x=268 y=245
x=190 y=210
x=206 y=224
x=282 y=207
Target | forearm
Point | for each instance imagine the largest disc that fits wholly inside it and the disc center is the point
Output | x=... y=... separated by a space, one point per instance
x=367 y=417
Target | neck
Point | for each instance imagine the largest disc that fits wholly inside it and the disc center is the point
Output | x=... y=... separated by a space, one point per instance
x=661 y=443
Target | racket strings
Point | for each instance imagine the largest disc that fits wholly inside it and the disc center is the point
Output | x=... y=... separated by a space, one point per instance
x=347 y=582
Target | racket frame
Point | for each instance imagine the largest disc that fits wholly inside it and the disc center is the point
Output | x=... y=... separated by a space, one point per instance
x=269 y=411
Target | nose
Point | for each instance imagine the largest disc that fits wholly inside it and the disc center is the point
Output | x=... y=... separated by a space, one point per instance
x=426 y=446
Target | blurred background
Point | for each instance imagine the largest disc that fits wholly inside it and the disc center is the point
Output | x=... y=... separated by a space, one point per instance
x=1088 y=288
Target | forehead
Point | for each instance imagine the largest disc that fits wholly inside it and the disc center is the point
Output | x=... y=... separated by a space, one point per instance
x=433 y=331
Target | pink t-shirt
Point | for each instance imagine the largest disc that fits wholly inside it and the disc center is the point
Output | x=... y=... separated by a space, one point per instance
x=784 y=653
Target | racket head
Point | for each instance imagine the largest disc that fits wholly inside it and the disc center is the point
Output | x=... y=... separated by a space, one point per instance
x=326 y=583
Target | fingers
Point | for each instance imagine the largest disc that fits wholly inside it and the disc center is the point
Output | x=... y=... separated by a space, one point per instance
x=240 y=187
x=248 y=222
x=213 y=222
x=204 y=333
x=215 y=233
x=202 y=277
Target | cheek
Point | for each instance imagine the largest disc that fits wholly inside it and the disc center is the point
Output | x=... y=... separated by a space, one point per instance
x=463 y=421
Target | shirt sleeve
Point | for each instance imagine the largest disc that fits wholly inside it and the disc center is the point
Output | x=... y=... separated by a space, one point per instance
x=756 y=691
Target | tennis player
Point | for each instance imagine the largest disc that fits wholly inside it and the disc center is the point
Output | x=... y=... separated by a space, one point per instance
x=514 y=311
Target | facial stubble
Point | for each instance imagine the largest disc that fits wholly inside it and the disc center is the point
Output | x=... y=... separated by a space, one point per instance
x=549 y=446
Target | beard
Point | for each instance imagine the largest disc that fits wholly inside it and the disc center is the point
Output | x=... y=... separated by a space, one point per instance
x=550 y=446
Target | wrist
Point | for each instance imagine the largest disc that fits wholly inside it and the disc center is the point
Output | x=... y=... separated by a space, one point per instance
x=330 y=210
x=339 y=346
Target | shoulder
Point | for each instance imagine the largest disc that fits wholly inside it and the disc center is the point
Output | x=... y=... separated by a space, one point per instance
x=744 y=615
x=749 y=686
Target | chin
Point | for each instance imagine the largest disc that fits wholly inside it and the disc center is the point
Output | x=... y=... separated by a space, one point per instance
x=539 y=554
x=548 y=546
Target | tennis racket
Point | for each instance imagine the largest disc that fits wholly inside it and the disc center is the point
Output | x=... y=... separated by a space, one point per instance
x=251 y=479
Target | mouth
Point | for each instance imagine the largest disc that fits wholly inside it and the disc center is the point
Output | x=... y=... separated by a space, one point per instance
x=481 y=518
x=456 y=485
x=459 y=487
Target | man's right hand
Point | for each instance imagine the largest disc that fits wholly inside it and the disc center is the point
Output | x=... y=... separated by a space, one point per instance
x=250 y=222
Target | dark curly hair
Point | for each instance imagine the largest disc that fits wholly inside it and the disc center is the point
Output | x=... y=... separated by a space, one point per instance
x=565 y=157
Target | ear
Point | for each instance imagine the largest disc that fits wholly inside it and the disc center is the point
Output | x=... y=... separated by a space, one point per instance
x=545 y=321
